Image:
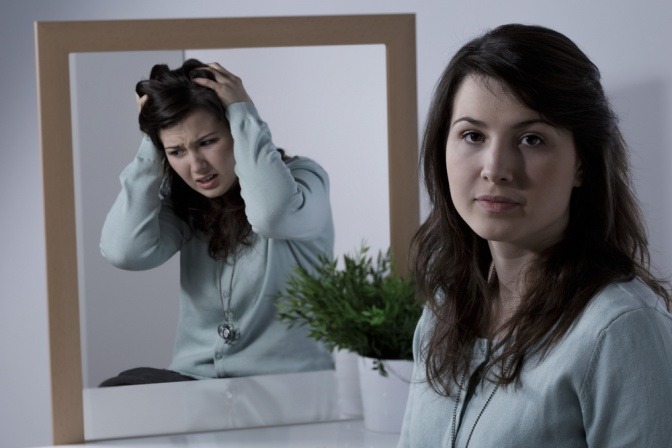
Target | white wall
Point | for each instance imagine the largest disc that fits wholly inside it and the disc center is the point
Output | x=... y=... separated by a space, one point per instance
x=627 y=40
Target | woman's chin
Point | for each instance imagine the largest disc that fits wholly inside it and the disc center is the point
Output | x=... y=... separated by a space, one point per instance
x=212 y=193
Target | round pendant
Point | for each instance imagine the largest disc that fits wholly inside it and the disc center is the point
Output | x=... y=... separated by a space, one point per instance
x=227 y=332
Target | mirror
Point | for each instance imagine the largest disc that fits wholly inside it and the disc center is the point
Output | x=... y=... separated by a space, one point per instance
x=56 y=41
x=329 y=111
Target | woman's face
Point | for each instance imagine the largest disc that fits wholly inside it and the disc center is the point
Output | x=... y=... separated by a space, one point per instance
x=200 y=150
x=511 y=174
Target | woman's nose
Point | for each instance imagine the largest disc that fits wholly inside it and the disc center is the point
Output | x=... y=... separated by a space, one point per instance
x=198 y=162
x=498 y=162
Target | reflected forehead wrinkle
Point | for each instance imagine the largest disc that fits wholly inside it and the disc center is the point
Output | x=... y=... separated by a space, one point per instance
x=191 y=129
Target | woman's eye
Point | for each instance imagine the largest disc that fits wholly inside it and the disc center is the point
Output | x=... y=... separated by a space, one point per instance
x=208 y=142
x=472 y=137
x=532 y=140
x=175 y=153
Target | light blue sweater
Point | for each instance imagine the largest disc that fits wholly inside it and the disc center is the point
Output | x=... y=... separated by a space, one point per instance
x=608 y=383
x=289 y=210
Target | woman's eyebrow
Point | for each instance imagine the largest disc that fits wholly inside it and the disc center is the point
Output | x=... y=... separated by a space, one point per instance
x=175 y=146
x=210 y=134
x=519 y=125
x=470 y=120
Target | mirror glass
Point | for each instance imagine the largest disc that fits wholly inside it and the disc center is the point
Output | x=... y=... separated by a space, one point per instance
x=333 y=112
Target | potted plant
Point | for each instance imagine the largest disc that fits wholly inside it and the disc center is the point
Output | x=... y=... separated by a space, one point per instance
x=365 y=307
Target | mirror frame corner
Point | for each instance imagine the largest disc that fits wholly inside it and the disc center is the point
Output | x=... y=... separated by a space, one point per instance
x=54 y=43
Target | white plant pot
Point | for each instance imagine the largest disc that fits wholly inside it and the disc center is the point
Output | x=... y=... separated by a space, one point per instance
x=347 y=382
x=384 y=398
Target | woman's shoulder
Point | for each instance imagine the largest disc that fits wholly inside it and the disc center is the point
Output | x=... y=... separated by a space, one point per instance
x=623 y=306
x=626 y=360
x=296 y=163
x=618 y=299
x=624 y=320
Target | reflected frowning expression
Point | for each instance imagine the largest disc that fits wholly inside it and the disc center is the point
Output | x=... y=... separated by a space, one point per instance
x=511 y=173
x=200 y=150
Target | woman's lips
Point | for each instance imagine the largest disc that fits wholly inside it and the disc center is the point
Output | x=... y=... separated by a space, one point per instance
x=496 y=203
x=207 y=182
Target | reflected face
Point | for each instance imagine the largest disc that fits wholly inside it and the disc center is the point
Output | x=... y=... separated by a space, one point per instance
x=200 y=150
x=511 y=173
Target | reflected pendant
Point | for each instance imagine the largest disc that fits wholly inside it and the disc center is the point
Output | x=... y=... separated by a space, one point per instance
x=228 y=332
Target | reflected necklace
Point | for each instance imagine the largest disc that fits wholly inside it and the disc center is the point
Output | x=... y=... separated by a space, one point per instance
x=227 y=330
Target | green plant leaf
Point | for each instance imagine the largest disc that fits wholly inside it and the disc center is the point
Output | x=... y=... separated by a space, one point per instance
x=364 y=307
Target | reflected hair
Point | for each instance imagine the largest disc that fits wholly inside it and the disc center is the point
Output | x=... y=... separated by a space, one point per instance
x=172 y=95
x=605 y=240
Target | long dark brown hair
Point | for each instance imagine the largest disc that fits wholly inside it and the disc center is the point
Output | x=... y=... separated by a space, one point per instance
x=605 y=240
x=171 y=97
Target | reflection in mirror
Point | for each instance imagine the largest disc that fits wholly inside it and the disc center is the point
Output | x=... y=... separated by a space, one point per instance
x=209 y=405
x=56 y=41
x=333 y=112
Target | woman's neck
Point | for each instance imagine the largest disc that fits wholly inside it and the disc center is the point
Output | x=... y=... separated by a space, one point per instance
x=511 y=266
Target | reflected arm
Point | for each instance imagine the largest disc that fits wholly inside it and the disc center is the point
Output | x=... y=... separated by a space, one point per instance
x=283 y=201
x=141 y=231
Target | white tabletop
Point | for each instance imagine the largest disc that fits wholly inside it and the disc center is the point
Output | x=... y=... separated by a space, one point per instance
x=289 y=410
x=340 y=434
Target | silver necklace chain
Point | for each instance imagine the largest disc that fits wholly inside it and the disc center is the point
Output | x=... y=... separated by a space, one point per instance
x=227 y=330
x=453 y=439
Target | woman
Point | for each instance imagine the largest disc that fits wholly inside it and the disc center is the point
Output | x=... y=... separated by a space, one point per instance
x=209 y=183
x=543 y=324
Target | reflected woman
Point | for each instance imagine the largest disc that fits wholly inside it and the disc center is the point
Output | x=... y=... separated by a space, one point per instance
x=209 y=183
x=543 y=325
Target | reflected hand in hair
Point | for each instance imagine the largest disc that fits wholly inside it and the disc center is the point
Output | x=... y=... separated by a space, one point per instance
x=140 y=100
x=208 y=155
x=229 y=87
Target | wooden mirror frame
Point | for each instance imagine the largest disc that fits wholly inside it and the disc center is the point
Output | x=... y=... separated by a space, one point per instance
x=56 y=40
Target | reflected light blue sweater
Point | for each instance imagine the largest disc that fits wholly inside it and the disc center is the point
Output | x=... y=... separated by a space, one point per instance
x=289 y=210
